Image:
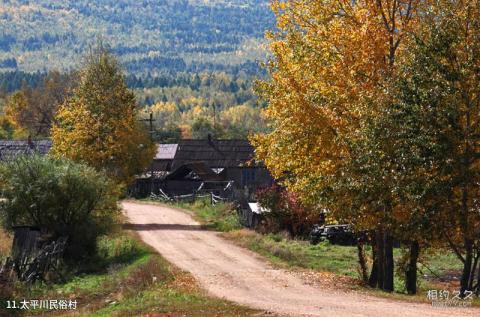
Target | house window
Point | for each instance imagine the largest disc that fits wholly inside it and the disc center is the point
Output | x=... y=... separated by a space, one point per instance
x=248 y=176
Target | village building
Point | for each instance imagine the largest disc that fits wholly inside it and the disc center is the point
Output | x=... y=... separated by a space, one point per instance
x=226 y=167
x=163 y=160
x=9 y=149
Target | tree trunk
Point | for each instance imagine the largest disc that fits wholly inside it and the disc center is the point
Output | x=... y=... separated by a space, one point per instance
x=373 y=279
x=361 y=260
x=388 y=263
x=380 y=258
x=477 y=291
x=472 y=271
x=467 y=267
x=411 y=271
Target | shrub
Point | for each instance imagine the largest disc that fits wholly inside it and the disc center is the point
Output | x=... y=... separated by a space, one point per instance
x=120 y=249
x=61 y=197
x=287 y=212
x=5 y=244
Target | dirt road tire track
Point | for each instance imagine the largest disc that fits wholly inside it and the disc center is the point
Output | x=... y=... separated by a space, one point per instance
x=228 y=271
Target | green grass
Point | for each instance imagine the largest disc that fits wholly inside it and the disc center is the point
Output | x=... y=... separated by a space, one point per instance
x=440 y=263
x=219 y=217
x=299 y=253
x=167 y=301
x=127 y=278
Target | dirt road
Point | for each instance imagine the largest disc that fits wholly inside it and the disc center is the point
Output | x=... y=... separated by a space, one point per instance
x=239 y=275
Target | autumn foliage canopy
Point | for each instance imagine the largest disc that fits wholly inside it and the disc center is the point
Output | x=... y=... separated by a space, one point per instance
x=98 y=125
x=374 y=116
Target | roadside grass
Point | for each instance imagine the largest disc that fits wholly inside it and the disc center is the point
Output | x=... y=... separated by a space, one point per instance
x=440 y=264
x=127 y=278
x=219 y=217
x=298 y=253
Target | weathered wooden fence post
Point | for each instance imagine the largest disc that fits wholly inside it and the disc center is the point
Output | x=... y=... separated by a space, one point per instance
x=25 y=241
x=31 y=258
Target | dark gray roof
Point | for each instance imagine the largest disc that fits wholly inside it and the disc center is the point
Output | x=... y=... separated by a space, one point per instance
x=161 y=165
x=214 y=153
x=197 y=170
x=10 y=149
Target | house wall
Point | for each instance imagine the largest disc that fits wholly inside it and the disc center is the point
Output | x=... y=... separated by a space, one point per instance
x=246 y=182
x=250 y=177
x=179 y=187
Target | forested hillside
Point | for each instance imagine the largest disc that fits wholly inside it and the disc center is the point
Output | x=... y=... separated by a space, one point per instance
x=190 y=62
x=148 y=36
x=188 y=105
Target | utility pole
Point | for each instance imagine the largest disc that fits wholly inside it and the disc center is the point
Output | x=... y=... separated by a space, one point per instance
x=214 y=119
x=151 y=132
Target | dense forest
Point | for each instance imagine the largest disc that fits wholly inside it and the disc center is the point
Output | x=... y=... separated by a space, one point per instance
x=188 y=105
x=190 y=62
x=147 y=36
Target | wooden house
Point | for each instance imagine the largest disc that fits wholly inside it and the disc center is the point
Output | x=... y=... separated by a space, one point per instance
x=180 y=169
x=9 y=149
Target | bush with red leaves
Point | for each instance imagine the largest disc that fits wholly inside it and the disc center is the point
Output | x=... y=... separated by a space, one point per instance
x=286 y=212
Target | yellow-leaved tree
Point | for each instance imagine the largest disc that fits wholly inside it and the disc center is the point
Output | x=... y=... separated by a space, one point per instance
x=98 y=125
x=331 y=67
